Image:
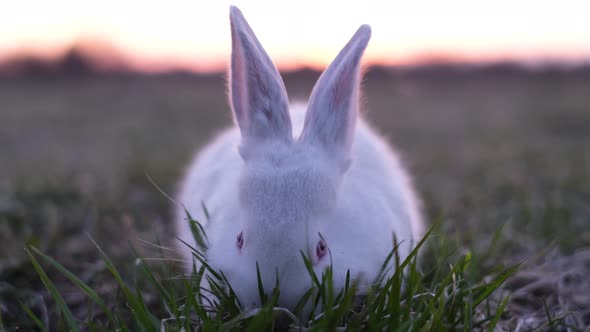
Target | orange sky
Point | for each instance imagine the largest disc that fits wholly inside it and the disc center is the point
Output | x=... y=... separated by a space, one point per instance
x=194 y=34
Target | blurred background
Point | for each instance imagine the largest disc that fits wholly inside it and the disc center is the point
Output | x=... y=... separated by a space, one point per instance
x=103 y=102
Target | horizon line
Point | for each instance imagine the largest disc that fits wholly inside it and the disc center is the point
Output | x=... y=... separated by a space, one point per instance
x=110 y=58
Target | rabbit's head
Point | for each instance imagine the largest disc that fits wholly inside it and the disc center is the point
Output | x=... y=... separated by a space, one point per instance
x=289 y=186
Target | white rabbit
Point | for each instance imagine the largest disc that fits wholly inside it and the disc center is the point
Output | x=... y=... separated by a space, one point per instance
x=281 y=179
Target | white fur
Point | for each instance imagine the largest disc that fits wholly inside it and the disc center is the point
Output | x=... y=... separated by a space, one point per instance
x=282 y=177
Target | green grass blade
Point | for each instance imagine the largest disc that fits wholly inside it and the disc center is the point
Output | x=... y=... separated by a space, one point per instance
x=231 y=293
x=79 y=283
x=197 y=230
x=140 y=313
x=261 y=293
x=468 y=314
x=309 y=267
x=490 y=288
x=498 y=315
x=146 y=271
x=32 y=316
x=203 y=262
x=72 y=324
x=302 y=302
x=205 y=210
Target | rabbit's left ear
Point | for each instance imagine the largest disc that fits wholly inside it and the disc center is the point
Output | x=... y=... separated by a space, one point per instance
x=258 y=96
x=333 y=105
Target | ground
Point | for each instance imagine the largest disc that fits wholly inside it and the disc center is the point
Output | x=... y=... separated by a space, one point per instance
x=500 y=158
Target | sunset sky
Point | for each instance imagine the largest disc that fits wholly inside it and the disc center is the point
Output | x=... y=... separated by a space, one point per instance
x=156 y=35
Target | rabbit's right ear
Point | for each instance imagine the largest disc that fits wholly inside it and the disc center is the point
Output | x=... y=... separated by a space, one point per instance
x=333 y=105
x=258 y=96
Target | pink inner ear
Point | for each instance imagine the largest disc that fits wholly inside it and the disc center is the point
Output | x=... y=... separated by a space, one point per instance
x=238 y=86
x=342 y=89
x=258 y=97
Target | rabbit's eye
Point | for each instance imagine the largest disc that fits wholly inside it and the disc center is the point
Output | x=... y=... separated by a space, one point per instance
x=240 y=240
x=321 y=249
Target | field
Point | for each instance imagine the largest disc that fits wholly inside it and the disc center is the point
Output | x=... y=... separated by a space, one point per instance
x=501 y=159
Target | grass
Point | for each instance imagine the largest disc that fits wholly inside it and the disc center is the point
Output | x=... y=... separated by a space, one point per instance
x=439 y=298
x=502 y=163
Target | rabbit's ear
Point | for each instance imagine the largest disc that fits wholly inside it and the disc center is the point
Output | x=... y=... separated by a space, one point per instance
x=332 y=110
x=258 y=96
